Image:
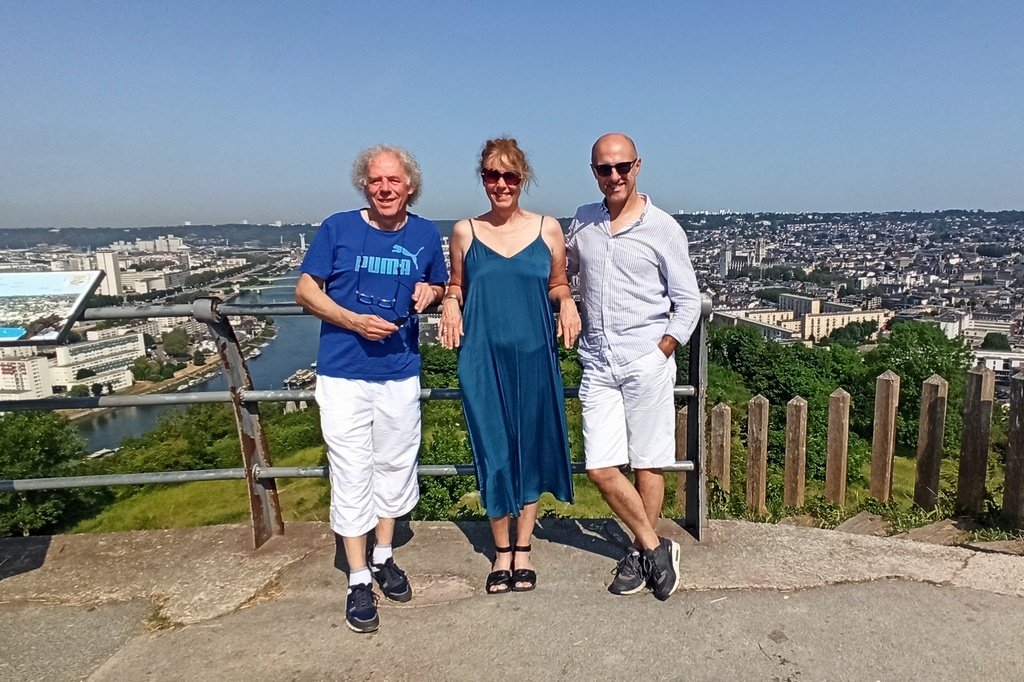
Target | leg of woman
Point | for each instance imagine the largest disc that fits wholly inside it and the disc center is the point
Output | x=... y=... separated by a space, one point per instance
x=502 y=559
x=524 y=536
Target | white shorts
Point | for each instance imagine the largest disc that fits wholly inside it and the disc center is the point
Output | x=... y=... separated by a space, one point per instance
x=629 y=412
x=372 y=432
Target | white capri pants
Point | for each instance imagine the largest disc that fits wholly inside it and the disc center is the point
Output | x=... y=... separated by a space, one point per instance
x=372 y=432
x=629 y=412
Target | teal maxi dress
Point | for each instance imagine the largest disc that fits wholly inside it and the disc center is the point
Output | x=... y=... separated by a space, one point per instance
x=512 y=392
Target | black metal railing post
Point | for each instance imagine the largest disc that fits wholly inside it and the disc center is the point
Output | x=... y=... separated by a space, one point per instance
x=696 y=514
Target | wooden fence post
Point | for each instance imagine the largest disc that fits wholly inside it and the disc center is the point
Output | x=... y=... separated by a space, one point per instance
x=681 y=454
x=757 y=454
x=883 y=441
x=1013 y=487
x=838 y=444
x=796 y=452
x=978 y=400
x=934 y=392
x=721 y=445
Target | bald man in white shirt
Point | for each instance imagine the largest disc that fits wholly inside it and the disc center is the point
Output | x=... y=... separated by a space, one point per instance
x=640 y=301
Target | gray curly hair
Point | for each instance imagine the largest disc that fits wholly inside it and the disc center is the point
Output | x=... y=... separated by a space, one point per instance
x=361 y=168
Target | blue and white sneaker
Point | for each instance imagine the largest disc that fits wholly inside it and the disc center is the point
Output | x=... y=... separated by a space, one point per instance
x=392 y=580
x=361 y=609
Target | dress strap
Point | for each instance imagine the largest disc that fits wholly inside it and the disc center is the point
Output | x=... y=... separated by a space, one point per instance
x=541 y=230
x=471 y=228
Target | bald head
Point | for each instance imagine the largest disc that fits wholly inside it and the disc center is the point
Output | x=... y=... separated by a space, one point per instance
x=615 y=144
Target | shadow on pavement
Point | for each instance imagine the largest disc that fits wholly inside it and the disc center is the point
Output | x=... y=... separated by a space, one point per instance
x=403 y=535
x=22 y=555
x=598 y=536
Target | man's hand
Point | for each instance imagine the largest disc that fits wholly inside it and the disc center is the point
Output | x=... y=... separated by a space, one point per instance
x=423 y=296
x=667 y=345
x=371 y=327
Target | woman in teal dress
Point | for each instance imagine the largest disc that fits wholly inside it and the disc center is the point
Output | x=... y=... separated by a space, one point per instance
x=507 y=272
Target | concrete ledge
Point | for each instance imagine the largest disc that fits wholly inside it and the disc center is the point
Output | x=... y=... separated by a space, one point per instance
x=757 y=602
x=198 y=574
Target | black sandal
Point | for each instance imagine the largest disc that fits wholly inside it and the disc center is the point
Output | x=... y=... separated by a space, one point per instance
x=499 y=579
x=523 y=575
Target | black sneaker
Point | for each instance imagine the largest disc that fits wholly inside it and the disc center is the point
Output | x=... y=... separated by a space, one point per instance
x=361 y=609
x=392 y=580
x=630 y=577
x=662 y=568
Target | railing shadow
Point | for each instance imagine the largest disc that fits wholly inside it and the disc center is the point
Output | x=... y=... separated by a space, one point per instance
x=403 y=536
x=603 y=537
x=22 y=555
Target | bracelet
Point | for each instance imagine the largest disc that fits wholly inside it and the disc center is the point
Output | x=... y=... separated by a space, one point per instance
x=451 y=297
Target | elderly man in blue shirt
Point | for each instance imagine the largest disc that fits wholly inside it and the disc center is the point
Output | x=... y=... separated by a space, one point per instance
x=640 y=300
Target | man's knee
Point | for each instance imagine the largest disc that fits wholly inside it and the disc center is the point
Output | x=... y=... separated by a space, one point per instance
x=603 y=475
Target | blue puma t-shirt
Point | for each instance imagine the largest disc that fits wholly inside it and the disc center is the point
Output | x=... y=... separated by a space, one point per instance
x=371 y=271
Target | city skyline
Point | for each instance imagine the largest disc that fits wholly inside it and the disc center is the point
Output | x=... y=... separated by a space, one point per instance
x=216 y=114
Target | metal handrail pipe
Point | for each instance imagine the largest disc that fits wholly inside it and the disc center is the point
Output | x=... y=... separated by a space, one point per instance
x=121 y=479
x=256 y=396
x=187 y=310
x=115 y=401
x=423 y=470
x=140 y=311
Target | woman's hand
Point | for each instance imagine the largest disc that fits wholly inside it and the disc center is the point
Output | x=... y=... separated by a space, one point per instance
x=568 y=322
x=450 y=331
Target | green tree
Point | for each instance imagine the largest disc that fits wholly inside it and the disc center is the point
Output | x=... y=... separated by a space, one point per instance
x=996 y=341
x=84 y=373
x=198 y=358
x=176 y=342
x=914 y=351
x=97 y=389
x=148 y=340
x=79 y=391
x=35 y=445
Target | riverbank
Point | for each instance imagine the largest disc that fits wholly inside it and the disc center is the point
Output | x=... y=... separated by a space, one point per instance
x=181 y=377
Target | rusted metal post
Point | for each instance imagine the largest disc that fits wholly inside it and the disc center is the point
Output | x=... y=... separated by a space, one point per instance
x=1013 y=486
x=796 y=452
x=264 y=507
x=696 y=519
x=757 y=455
x=838 y=444
x=978 y=400
x=720 y=456
x=681 y=455
x=883 y=442
x=931 y=429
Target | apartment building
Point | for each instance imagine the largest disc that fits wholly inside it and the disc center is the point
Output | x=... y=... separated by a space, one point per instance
x=110 y=359
x=26 y=378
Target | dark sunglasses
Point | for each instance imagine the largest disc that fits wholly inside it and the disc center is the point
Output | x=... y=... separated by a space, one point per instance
x=622 y=168
x=491 y=177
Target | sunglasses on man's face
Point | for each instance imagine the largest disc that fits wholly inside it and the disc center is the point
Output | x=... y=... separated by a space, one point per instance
x=622 y=168
x=491 y=177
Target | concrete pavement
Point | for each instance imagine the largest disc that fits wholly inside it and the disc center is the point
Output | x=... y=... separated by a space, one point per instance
x=757 y=602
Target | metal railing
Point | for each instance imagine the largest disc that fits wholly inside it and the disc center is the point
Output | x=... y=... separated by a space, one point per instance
x=257 y=470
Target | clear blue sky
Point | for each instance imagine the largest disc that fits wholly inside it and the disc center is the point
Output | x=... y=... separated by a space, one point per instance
x=152 y=113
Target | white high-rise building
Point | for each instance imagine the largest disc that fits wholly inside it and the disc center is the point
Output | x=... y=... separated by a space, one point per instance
x=107 y=261
x=24 y=378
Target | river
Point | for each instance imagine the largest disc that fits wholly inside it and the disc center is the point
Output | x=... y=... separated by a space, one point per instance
x=294 y=347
